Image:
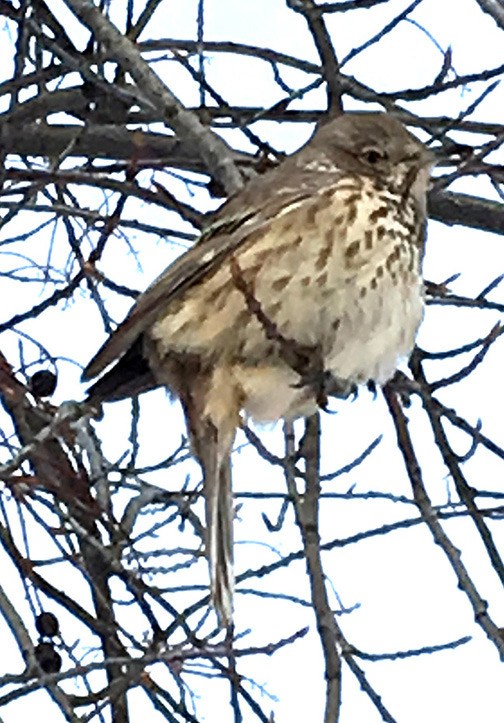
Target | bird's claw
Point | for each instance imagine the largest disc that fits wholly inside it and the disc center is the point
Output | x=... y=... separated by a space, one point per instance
x=324 y=384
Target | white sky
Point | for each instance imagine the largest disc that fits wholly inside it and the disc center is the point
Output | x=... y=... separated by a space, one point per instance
x=404 y=589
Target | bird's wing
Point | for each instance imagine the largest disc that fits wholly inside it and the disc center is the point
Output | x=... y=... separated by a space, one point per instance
x=239 y=220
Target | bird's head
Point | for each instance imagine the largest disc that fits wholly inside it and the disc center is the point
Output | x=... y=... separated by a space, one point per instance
x=379 y=146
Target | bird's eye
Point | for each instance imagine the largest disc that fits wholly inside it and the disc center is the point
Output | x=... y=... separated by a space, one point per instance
x=374 y=155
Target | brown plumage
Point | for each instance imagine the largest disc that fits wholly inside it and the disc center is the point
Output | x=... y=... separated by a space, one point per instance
x=314 y=267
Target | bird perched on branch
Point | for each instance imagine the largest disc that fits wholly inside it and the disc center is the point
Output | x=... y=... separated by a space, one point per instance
x=306 y=283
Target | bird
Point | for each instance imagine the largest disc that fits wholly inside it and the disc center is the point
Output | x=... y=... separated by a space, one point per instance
x=305 y=283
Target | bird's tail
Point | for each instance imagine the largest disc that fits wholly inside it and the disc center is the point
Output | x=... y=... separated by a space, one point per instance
x=211 y=443
x=219 y=518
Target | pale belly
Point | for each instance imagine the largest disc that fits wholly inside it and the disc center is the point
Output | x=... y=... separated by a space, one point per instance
x=353 y=291
x=362 y=339
x=369 y=344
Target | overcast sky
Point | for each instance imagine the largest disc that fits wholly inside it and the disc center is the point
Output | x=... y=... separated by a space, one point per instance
x=399 y=588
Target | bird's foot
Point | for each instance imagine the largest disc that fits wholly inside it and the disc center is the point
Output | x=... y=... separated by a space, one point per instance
x=324 y=385
x=341 y=388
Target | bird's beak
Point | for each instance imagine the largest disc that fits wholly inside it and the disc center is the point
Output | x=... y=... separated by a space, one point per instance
x=430 y=158
x=422 y=156
x=452 y=154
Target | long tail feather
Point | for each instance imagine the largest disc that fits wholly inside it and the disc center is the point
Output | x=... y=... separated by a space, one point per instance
x=219 y=512
x=211 y=444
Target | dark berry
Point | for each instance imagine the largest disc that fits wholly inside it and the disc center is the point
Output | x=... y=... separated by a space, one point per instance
x=47 y=625
x=43 y=383
x=47 y=657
